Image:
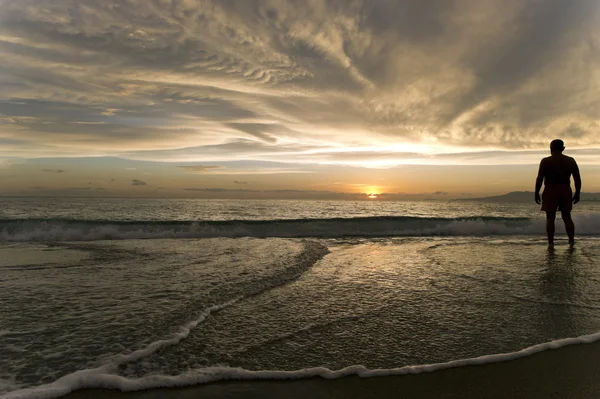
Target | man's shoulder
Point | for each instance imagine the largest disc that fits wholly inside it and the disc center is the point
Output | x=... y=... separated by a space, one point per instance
x=569 y=159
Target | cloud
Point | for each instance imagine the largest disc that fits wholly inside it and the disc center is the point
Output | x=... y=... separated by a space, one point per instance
x=240 y=182
x=53 y=170
x=198 y=168
x=203 y=81
x=245 y=148
x=8 y=162
x=266 y=132
x=136 y=182
x=221 y=190
x=264 y=169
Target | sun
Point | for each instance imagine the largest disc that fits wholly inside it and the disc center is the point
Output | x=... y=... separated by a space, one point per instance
x=373 y=193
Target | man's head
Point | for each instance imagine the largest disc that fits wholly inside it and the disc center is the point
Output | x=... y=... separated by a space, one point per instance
x=557 y=146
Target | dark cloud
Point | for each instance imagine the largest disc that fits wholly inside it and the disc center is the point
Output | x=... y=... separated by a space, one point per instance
x=541 y=33
x=136 y=182
x=53 y=170
x=240 y=182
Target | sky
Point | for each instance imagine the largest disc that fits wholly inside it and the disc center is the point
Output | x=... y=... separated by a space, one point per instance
x=327 y=99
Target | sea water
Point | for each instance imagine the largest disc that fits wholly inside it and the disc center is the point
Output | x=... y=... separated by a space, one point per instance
x=133 y=294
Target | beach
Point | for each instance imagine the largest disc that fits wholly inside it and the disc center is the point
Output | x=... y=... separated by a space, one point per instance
x=569 y=372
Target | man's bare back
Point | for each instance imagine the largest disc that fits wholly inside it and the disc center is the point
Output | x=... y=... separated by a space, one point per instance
x=558 y=168
x=555 y=173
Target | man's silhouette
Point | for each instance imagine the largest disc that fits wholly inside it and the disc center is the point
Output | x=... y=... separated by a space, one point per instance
x=555 y=172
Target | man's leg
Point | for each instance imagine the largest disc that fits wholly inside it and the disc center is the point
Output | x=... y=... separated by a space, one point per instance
x=569 y=226
x=550 y=217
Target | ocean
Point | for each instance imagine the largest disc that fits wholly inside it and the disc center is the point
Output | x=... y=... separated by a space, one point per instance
x=142 y=293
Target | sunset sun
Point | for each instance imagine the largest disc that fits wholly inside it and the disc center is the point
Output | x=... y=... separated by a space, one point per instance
x=373 y=193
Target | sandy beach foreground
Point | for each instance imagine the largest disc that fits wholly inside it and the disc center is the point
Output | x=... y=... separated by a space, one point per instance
x=569 y=372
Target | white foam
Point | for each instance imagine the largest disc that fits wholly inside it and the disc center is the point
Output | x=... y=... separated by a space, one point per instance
x=102 y=378
x=183 y=332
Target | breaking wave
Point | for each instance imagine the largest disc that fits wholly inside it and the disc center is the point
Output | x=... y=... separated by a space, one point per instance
x=24 y=230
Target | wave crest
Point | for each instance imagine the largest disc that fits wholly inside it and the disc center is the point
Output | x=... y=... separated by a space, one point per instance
x=25 y=230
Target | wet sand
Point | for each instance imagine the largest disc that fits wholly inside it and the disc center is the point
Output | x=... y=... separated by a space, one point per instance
x=569 y=372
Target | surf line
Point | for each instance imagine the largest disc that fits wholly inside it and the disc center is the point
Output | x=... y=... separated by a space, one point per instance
x=213 y=374
x=99 y=378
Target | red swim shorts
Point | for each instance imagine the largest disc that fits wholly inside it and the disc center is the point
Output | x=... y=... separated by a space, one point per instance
x=557 y=196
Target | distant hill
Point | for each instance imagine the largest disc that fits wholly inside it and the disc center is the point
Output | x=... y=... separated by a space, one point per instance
x=527 y=196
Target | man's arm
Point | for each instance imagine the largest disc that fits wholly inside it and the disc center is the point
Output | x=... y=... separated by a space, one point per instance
x=577 y=180
x=538 y=182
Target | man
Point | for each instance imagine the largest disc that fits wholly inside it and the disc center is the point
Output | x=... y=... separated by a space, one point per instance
x=555 y=171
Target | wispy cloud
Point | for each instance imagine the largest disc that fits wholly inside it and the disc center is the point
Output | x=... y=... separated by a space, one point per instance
x=136 y=182
x=221 y=190
x=198 y=168
x=165 y=80
x=53 y=170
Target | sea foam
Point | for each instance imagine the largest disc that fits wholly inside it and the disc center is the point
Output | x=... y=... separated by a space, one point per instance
x=103 y=377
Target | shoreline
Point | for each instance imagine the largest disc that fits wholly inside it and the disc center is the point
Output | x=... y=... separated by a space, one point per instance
x=570 y=371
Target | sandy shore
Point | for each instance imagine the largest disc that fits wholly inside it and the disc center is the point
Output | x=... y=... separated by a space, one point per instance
x=569 y=372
